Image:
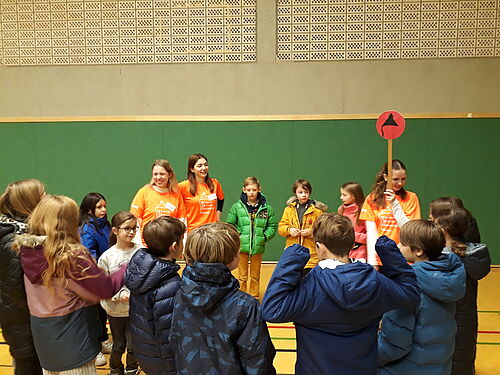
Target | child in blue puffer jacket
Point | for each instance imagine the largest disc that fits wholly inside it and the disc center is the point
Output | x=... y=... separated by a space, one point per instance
x=94 y=226
x=153 y=279
x=94 y=229
x=421 y=341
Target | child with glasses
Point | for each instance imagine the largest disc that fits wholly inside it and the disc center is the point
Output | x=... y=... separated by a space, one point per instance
x=123 y=228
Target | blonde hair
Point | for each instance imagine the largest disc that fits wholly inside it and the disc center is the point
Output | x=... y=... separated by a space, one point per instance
x=56 y=217
x=251 y=180
x=21 y=197
x=212 y=243
x=172 y=179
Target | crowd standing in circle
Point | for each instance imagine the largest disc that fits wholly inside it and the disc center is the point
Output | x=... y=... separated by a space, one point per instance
x=339 y=274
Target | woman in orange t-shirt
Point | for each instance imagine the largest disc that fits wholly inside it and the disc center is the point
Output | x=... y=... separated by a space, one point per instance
x=203 y=195
x=386 y=210
x=161 y=197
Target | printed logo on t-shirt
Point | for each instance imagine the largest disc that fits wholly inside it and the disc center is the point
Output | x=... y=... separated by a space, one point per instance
x=387 y=221
x=207 y=203
x=164 y=209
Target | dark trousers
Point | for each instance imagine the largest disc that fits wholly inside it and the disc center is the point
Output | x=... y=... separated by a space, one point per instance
x=27 y=366
x=121 y=335
x=103 y=317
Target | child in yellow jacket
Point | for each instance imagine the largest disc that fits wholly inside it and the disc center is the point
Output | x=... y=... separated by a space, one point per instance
x=298 y=217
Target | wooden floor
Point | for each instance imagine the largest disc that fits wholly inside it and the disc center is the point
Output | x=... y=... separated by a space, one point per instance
x=283 y=335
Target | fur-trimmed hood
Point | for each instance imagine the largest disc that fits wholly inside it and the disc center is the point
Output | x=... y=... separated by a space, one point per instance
x=33 y=260
x=319 y=205
x=30 y=240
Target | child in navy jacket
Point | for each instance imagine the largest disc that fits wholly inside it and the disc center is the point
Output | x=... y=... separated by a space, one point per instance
x=153 y=279
x=337 y=307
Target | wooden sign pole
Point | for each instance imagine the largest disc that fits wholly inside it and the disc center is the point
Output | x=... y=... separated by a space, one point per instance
x=389 y=164
x=390 y=125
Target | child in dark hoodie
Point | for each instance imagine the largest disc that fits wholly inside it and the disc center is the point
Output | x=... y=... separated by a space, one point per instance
x=217 y=328
x=420 y=341
x=152 y=278
x=455 y=222
x=337 y=307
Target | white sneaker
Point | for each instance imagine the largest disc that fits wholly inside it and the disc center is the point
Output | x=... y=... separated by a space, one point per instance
x=106 y=347
x=100 y=360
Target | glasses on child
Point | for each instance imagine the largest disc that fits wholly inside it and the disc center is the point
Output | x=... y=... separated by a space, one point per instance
x=128 y=229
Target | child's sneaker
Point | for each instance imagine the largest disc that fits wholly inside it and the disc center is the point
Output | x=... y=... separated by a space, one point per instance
x=116 y=371
x=106 y=347
x=132 y=372
x=100 y=360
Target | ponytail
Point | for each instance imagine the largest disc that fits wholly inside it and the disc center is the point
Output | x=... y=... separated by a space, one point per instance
x=454 y=222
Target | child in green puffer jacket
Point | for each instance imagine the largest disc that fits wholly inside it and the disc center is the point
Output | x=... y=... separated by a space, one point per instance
x=254 y=219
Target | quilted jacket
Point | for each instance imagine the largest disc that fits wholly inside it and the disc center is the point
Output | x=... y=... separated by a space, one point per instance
x=477 y=265
x=14 y=312
x=420 y=341
x=153 y=283
x=253 y=238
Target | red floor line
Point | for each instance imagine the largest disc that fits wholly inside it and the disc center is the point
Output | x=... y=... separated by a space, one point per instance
x=291 y=327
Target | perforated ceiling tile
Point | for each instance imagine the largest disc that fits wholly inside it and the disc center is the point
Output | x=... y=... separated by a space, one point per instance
x=83 y=32
x=317 y=30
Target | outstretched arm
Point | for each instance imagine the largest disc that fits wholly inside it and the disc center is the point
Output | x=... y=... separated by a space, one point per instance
x=284 y=300
x=398 y=283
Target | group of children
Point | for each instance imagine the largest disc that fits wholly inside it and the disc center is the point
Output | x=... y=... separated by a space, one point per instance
x=206 y=323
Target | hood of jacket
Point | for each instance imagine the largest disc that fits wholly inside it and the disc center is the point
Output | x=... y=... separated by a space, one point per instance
x=350 y=209
x=359 y=284
x=206 y=285
x=146 y=272
x=260 y=198
x=442 y=279
x=33 y=260
x=292 y=201
x=476 y=261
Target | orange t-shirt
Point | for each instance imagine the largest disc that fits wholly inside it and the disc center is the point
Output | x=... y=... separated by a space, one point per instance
x=383 y=217
x=149 y=204
x=202 y=208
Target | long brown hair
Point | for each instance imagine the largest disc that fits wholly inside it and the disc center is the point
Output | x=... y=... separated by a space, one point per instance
x=454 y=222
x=378 y=189
x=21 y=197
x=442 y=205
x=56 y=217
x=355 y=189
x=172 y=179
x=192 y=177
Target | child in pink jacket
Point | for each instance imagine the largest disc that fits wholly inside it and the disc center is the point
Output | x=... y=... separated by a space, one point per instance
x=352 y=197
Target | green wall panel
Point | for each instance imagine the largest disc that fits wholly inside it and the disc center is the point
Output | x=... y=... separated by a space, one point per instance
x=443 y=156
